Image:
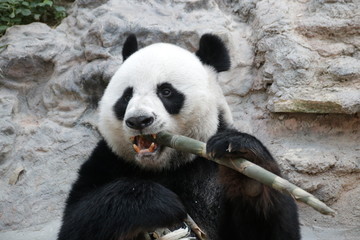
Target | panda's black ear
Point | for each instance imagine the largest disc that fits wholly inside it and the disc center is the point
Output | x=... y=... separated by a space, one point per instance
x=212 y=51
x=130 y=46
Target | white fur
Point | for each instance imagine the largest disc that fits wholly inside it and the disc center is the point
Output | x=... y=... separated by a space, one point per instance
x=144 y=70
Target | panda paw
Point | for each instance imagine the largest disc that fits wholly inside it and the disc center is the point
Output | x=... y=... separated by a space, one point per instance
x=231 y=143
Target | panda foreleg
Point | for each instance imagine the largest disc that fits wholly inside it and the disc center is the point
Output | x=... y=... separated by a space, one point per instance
x=121 y=210
x=254 y=210
x=232 y=143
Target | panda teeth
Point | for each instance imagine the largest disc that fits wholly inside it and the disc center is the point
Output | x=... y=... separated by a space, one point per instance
x=136 y=148
x=152 y=147
x=140 y=144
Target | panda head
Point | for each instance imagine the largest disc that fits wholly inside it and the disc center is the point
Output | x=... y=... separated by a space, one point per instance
x=164 y=87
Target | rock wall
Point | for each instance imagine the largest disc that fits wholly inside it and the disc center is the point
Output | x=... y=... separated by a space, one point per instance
x=294 y=83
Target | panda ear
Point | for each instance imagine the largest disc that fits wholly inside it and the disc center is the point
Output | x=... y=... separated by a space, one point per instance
x=212 y=51
x=130 y=46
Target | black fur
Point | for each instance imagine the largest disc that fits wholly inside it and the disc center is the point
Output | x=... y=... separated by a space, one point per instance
x=280 y=223
x=213 y=52
x=172 y=99
x=113 y=198
x=121 y=105
x=222 y=123
x=108 y=201
x=130 y=46
x=262 y=213
x=230 y=143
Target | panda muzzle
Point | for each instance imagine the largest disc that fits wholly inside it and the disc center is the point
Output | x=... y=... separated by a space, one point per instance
x=144 y=144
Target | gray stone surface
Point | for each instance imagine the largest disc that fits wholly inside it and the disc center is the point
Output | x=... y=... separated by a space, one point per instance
x=294 y=83
x=47 y=231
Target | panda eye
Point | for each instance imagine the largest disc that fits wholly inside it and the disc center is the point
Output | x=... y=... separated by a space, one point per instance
x=165 y=92
x=127 y=95
x=127 y=98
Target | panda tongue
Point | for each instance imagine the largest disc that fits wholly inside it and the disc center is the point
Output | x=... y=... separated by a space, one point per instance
x=143 y=145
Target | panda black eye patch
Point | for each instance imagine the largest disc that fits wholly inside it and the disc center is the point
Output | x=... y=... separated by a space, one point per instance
x=172 y=99
x=121 y=104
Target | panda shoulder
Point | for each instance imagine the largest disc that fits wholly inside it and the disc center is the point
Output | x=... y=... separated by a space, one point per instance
x=101 y=162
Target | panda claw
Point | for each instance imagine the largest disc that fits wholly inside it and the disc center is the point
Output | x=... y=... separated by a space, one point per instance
x=229 y=149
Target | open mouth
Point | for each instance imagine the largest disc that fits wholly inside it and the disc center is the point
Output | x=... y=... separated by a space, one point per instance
x=144 y=144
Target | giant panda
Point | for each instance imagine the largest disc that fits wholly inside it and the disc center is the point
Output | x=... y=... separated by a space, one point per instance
x=130 y=185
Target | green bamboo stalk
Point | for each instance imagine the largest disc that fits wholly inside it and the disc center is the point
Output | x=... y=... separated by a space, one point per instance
x=186 y=144
x=195 y=228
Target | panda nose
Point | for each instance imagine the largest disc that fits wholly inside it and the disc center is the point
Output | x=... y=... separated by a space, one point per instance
x=140 y=122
